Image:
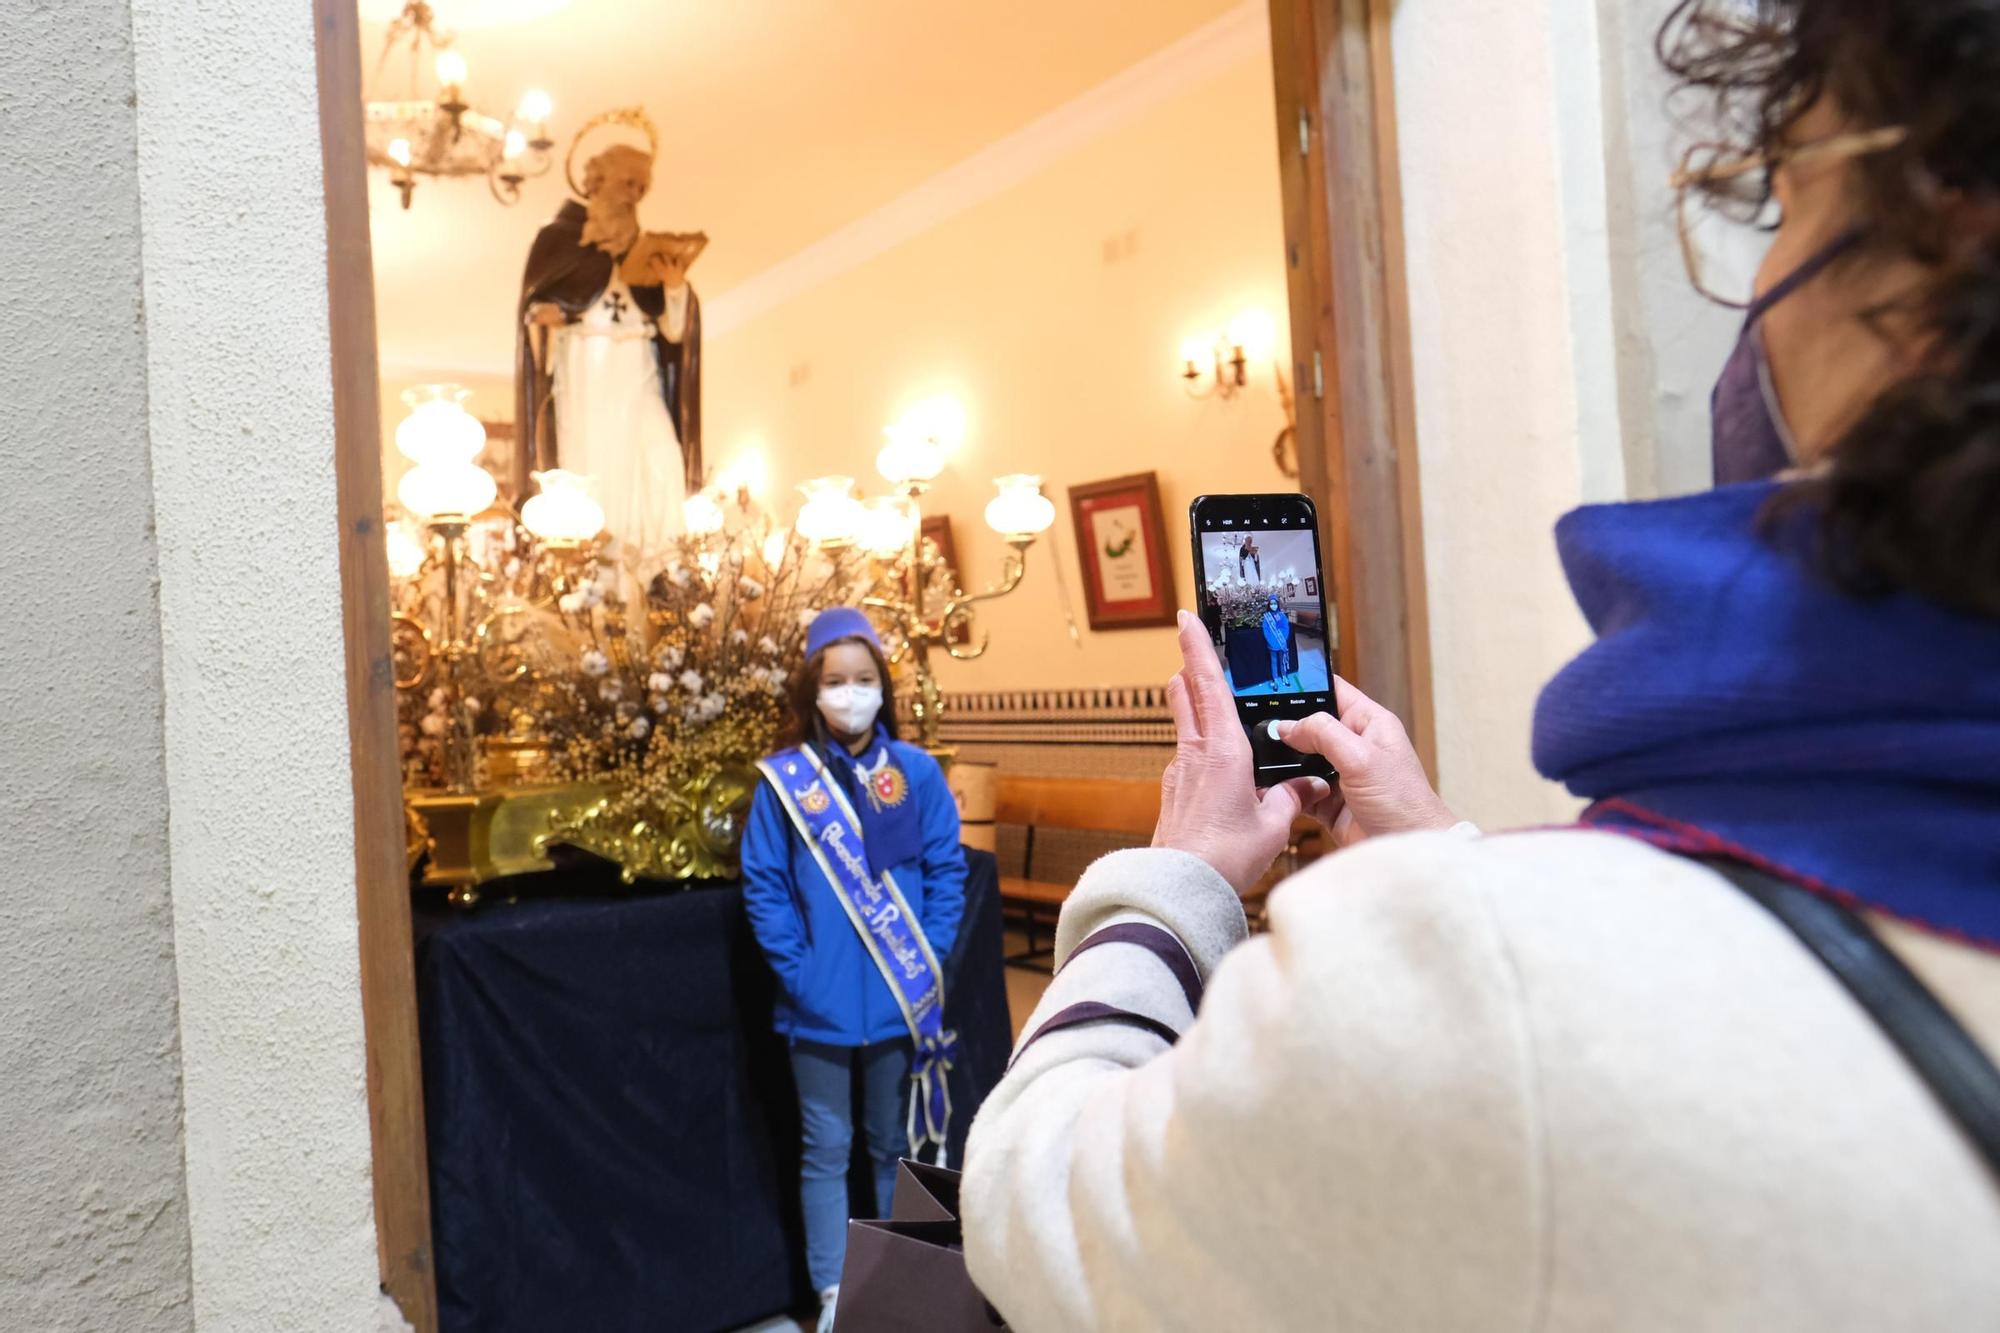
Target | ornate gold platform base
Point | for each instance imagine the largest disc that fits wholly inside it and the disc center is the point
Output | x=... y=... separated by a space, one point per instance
x=473 y=837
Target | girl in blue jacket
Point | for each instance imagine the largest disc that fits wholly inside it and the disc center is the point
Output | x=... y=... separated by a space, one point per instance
x=834 y=1005
x=1278 y=639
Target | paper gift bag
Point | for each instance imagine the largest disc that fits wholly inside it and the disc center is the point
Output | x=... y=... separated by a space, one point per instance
x=907 y=1274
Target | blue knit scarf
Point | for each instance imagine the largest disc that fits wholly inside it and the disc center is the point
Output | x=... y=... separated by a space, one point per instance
x=1734 y=701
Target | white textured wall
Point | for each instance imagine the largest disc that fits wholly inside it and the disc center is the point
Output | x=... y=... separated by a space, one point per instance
x=1560 y=357
x=1671 y=342
x=257 y=754
x=1497 y=403
x=93 y=1220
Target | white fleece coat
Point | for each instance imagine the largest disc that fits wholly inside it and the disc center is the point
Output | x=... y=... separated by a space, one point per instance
x=1545 y=1081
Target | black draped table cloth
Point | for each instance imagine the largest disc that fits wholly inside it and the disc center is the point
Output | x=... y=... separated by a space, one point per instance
x=1250 y=657
x=612 y=1126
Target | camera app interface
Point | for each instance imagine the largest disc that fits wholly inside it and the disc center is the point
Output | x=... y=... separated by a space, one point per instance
x=1264 y=609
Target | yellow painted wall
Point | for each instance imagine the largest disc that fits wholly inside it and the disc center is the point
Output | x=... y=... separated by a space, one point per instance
x=1056 y=312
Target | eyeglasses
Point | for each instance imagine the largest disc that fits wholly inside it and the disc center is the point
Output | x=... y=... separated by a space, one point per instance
x=1724 y=171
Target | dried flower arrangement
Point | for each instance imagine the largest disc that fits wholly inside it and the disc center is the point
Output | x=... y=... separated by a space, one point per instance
x=662 y=685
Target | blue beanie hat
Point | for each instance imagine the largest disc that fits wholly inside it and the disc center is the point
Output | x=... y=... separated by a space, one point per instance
x=837 y=623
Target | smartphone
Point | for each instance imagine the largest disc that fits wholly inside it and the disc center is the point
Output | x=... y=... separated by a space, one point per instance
x=1262 y=594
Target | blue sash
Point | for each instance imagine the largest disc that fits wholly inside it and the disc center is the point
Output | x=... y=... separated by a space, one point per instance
x=820 y=811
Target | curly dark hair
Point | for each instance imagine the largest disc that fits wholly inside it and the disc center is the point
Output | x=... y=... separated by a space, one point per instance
x=1911 y=497
x=807 y=723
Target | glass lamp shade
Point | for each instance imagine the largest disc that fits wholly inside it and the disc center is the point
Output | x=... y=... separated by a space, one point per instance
x=442 y=492
x=407 y=551
x=1020 y=509
x=563 y=514
x=439 y=429
x=831 y=515
x=702 y=514
x=909 y=457
x=921 y=440
x=888 y=525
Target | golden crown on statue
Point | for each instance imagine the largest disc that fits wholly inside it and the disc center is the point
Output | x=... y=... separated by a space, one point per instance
x=624 y=117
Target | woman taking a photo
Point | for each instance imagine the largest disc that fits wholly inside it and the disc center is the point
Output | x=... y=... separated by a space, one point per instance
x=1596 y=1078
x=853 y=880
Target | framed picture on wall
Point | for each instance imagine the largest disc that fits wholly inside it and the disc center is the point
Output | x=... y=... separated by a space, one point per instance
x=1121 y=538
x=1312 y=586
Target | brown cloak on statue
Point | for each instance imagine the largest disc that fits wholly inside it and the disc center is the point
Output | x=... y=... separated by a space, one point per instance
x=566 y=272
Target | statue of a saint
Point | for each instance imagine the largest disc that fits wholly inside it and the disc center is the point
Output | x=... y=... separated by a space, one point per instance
x=608 y=381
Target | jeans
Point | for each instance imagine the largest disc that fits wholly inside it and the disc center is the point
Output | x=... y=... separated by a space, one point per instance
x=1281 y=662
x=825 y=1077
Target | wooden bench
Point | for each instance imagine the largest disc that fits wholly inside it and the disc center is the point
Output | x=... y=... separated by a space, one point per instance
x=1119 y=806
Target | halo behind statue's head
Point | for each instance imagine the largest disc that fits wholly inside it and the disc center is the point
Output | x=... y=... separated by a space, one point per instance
x=626 y=118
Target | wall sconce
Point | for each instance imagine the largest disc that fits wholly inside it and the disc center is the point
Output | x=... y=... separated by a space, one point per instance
x=1214 y=367
x=746 y=477
x=1218 y=364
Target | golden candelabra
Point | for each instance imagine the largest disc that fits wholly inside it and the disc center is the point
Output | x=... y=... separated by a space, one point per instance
x=918 y=575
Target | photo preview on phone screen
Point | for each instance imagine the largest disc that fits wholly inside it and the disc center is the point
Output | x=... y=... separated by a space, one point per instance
x=1265 y=611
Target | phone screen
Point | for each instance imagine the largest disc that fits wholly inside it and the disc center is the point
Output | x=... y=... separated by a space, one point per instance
x=1263 y=598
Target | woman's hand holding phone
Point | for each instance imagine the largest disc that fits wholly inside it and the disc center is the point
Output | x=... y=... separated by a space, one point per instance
x=1210 y=805
x=1382 y=788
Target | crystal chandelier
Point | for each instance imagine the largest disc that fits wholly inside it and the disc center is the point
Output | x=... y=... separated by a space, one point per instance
x=436 y=132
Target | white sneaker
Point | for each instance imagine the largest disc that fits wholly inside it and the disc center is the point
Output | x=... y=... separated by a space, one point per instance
x=826 y=1303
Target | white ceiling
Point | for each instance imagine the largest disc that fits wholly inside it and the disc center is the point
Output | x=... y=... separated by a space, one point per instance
x=781 y=121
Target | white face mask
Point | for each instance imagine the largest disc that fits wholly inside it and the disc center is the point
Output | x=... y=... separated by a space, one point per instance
x=850 y=709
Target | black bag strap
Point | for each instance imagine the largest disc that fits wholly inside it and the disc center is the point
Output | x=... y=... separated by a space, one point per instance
x=1940 y=1050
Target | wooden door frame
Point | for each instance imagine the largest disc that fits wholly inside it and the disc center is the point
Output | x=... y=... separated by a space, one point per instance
x=381 y=872
x=1336 y=105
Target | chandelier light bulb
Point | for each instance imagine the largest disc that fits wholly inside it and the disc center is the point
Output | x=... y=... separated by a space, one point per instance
x=515 y=144
x=535 y=107
x=1020 y=510
x=451 y=69
x=563 y=513
x=399 y=152
x=831 y=516
x=439 y=429
x=446 y=491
